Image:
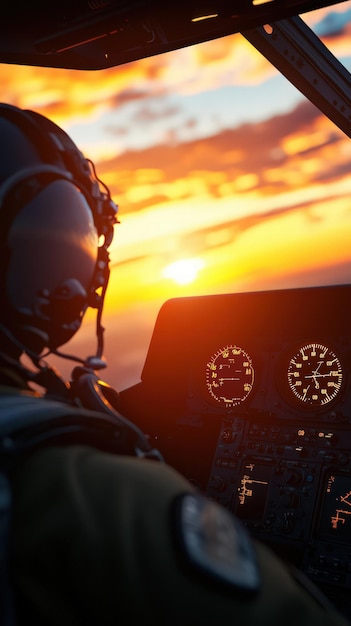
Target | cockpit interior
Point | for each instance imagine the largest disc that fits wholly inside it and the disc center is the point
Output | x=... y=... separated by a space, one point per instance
x=247 y=393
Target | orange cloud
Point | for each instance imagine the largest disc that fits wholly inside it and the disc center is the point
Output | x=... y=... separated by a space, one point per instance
x=277 y=206
x=282 y=154
x=68 y=95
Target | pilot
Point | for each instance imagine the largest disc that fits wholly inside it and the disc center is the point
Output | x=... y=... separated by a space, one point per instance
x=89 y=535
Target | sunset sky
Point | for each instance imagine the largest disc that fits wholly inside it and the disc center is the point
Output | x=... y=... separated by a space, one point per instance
x=227 y=178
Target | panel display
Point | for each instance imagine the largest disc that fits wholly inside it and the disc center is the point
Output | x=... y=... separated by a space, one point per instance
x=230 y=375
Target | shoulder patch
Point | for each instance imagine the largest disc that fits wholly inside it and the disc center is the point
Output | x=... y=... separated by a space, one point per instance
x=214 y=542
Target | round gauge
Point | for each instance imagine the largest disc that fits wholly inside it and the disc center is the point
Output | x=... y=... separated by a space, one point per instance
x=230 y=376
x=315 y=374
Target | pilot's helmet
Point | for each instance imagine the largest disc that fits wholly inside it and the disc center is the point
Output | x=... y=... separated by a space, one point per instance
x=56 y=224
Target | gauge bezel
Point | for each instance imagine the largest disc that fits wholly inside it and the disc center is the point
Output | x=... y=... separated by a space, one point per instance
x=306 y=400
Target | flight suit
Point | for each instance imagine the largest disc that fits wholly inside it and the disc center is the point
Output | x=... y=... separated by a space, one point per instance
x=98 y=540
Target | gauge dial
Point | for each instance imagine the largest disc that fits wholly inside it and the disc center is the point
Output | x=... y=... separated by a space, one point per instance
x=230 y=376
x=315 y=374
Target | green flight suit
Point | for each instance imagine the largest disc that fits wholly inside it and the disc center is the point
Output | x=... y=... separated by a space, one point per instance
x=95 y=543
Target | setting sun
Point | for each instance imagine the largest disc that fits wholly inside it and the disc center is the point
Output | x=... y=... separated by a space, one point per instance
x=183 y=271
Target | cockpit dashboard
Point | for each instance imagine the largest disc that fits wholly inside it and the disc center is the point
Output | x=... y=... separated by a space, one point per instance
x=249 y=396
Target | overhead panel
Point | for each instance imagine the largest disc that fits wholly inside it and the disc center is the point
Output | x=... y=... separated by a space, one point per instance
x=97 y=34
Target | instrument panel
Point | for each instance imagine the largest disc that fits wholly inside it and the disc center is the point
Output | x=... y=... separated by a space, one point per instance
x=249 y=396
x=312 y=376
x=286 y=352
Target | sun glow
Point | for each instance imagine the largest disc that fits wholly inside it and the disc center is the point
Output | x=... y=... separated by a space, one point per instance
x=183 y=271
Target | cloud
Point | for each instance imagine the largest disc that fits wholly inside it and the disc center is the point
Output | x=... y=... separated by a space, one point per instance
x=149 y=113
x=272 y=197
x=334 y=23
x=283 y=153
x=126 y=96
x=70 y=95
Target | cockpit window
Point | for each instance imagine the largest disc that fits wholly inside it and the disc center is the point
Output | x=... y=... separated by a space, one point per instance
x=227 y=177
